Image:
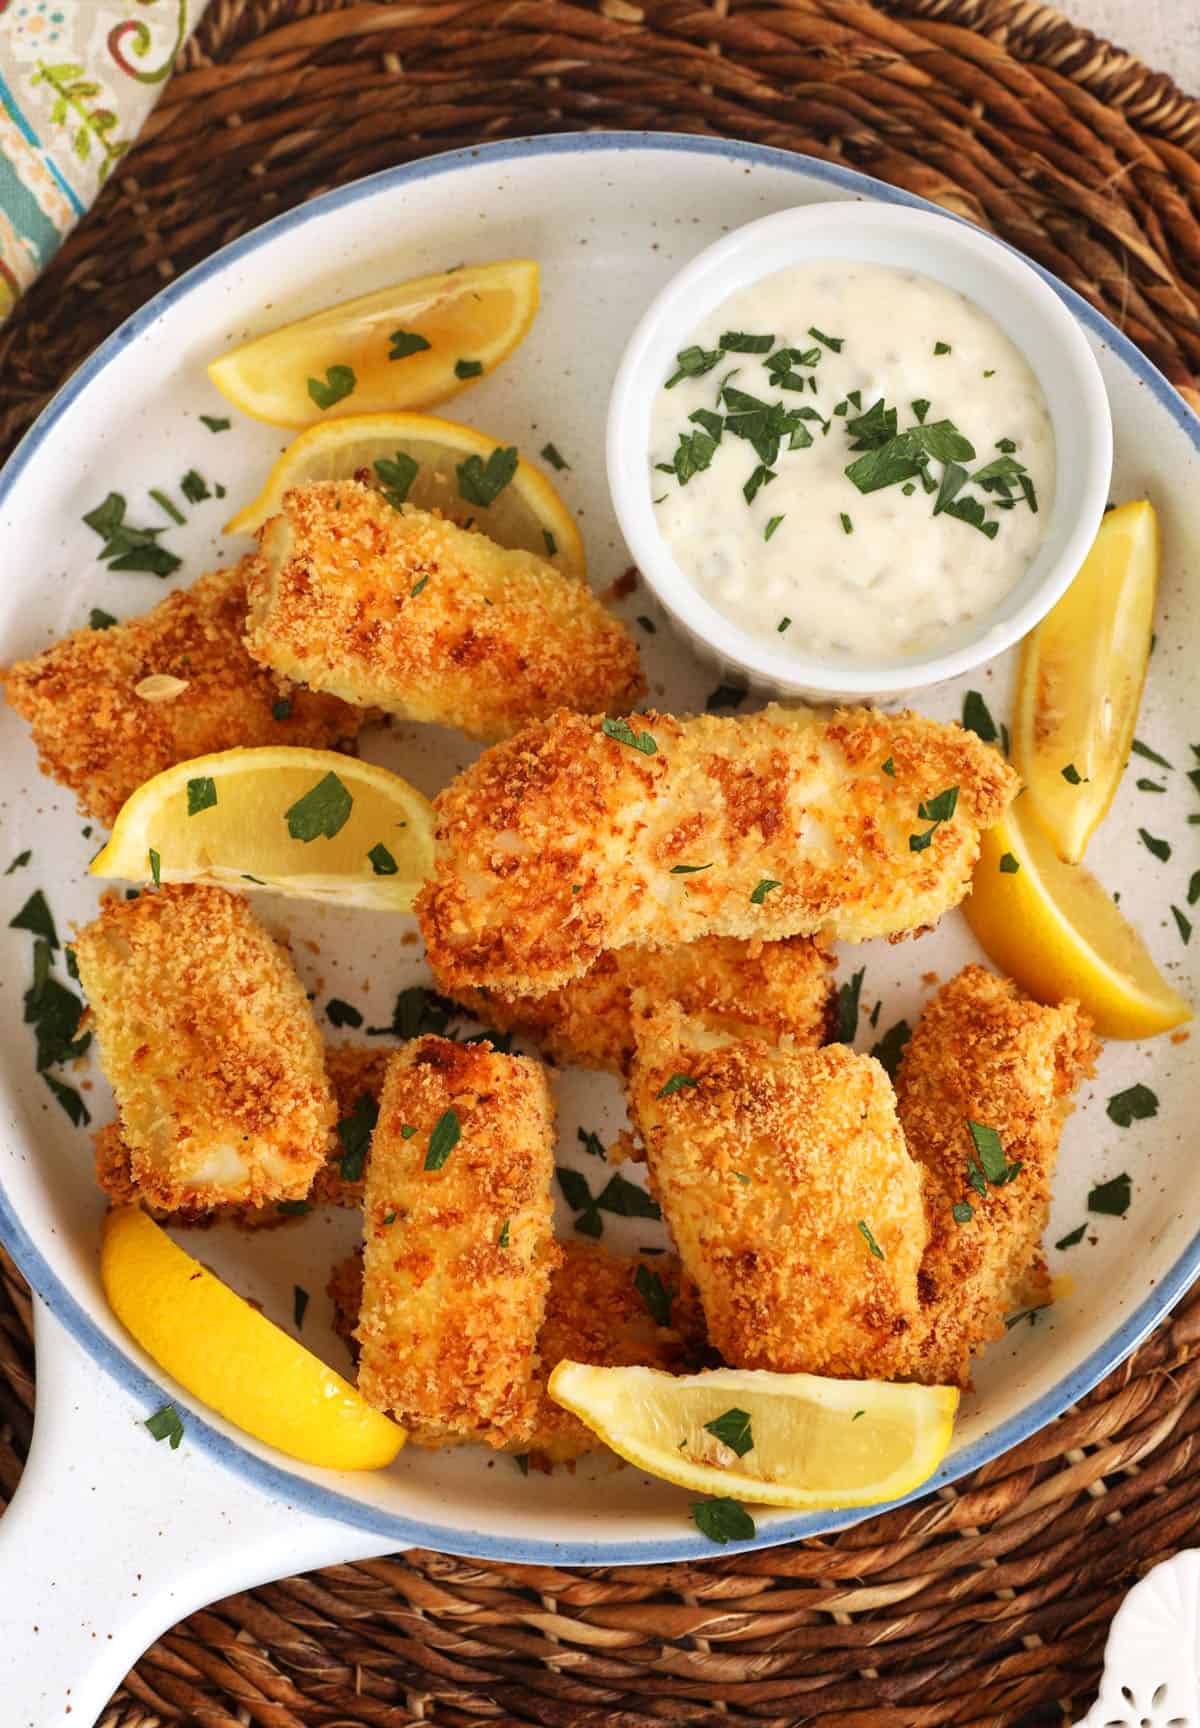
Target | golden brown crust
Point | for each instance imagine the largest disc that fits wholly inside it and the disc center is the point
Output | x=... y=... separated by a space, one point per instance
x=95 y=734
x=982 y=1052
x=403 y=609
x=210 y=1047
x=457 y=1258
x=564 y=842
x=749 y=989
x=771 y=1169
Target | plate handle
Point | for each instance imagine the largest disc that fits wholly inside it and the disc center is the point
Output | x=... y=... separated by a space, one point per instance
x=111 y=1538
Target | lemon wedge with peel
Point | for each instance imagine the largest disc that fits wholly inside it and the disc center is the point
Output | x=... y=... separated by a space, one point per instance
x=1081 y=678
x=406 y=346
x=526 y=514
x=232 y=1358
x=309 y=823
x=1056 y=932
x=780 y=1439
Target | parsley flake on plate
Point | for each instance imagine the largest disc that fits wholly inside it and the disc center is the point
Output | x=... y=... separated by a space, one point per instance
x=354 y=1132
x=299 y=1305
x=468 y=368
x=341 y=1013
x=338 y=383
x=732 y=1428
x=552 y=454
x=1112 y=1198
x=723 y=1520
x=847 y=1001
x=165 y=1424
x=1072 y=1238
x=1136 y=1104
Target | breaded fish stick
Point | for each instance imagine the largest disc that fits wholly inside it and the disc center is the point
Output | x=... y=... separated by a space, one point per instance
x=984 y=1053
x=355 y=1072
x=458 y=1242
x=210 y=1047
x=576 y=837
x=102 y=730
x=403 y=609
x=785 y=1182
x=745 y=988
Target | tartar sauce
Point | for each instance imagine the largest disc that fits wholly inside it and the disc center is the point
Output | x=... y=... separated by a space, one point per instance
x=853 y=458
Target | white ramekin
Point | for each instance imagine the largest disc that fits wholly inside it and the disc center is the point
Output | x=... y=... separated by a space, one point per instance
x=1026 y=308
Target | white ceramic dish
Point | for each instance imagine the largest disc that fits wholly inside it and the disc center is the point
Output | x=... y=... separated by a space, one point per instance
x=611 y=218
x=1010 y=291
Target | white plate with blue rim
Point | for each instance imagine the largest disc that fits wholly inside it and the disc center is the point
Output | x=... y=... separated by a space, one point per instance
x=610 y=218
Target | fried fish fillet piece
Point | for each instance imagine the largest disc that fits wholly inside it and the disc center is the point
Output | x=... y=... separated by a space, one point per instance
x=458 y=1243
x=355 y=1072
x=406 y=611
x=96 y=733
x=209 y=1044
x=595 y=1313
x=746 y=988
x=984 y=1053
x=579 y=836
x=785 y=1181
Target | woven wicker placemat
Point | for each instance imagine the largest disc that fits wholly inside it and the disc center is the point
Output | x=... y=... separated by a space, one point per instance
x=988 y=1604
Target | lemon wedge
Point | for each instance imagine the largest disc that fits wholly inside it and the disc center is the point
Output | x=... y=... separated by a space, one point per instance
x=527 y=515
x=814 y=1443
x=407 y=346
x=230 y=1357
x=1081 y=678
x=1054 y=930
x=309 y=823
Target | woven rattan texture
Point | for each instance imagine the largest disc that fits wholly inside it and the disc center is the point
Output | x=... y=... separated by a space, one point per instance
x=984 y=1606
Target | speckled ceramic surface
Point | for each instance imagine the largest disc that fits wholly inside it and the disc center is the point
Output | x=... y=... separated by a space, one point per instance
x=609 y=219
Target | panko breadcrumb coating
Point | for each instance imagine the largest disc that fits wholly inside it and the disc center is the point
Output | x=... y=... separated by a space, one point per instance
x=95 y=734
x=745 y=988
x=403 y=609
x=567 y=841
x=786 y=1184
x=458 y=1243
x=210 y=1047
x=354 y=1070
x=595 y=1313
x=984 y=1053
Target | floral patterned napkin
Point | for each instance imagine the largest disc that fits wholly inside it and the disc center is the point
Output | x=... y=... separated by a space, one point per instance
x=77 y=79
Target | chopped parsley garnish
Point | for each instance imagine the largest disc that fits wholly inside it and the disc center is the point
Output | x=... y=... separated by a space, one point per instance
x=407 y=1131
x=354 y=1132
x=418 y=1010
x=740 y=1176
x=654 y=1294
x=732 y=1429
x=468 y=368
x=920 y=409
x=201 y=794
x=995 y=1166
x=70 y=1100
x=1193 y=893
x=888 y=767
x=689 y=869
x=847 y=524
x=100 y=620
x=888 y=1051
x=1008 y=864
x=404 y=343
x=165 y=1424
x=764 y=887
x=165 y=504
x=834 y=342
x=723 y=1520
x=1072 y=1238
x=1030 y=1314
x=216 y=422
x=19 y=862
x=482 y=482
x=847 y=1000
x=299 y=1304
x=693 y=362
x=676 y=1083
x=521 y=1460
x=194 y=487
x=340 y=1013
x=870 y=1241
x=1144 y=785
x=591 y=1143
x=1112 y=1198
x=942 y=348
x=339 y=383
x=502 y=1239
x=396 y=475
x=1160 y=848
x=692 y=456
x=322 y=812
x=1140 y=749
x=1072 y=775
x=1005 y=444
x=725 y=696
x=382 y=862
x=738 y=342
x=762 y=476
x=418 y=586
x=282 y=710
x=447 y=1132
x=771 y=526
x=155 y=868
x=36 y=917
x=552 y=455
x=962 y=1211
x=977 y=718
x=626 y=1200
x=125 y=547
x=1135 y=1104
x=54 y=1012
x=783 y=624
x=550 y=541
x=934 y=811
x=1182 y=923
x=292 y=1208
x=623 y=733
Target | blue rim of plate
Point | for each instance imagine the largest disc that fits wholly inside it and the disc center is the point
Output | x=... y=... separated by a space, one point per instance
x=275 y=1479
